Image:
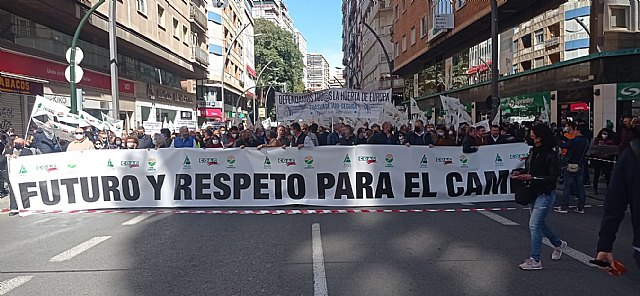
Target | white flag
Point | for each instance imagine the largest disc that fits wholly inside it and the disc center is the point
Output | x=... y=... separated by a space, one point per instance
x=414 y=108
x=496 y=120
x=63 y=131
x=546 y=112
x=97 y=123
x=42 y=106
x=484 y=123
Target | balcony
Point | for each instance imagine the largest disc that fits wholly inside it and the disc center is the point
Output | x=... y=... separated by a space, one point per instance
x=198 y=17
x=200 y=55
x=552 y=42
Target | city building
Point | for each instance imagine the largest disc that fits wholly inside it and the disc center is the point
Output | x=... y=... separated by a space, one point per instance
x=367 y=65
x=318 y=72
x=232 y=23
x=573 y=60
x=337 y=78
x=160 y=49
x=277 y=12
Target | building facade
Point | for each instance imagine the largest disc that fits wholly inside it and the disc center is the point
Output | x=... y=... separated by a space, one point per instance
x=572 y=59
x=337 y=78
x=160 y=45
x=232 y=23
x=318 y=72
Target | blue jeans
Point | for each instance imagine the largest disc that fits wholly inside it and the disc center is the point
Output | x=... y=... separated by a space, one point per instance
x=573 y=182
x=537 y=225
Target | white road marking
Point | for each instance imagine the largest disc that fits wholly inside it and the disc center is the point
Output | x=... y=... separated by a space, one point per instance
x=319 y=276
x=137 y=219
x=8 y=285
x=573 y=253
x=43 y=220
x=77 y=250
x=495 y=217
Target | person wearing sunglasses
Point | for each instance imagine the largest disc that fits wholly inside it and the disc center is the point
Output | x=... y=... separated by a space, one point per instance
x=81 y=142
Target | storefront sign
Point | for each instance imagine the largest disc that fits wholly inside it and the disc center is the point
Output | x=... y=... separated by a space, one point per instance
x=579 y=107
x=62 y=100
x=525 y=101
x=211 y=112
x=20 y=86
x=161 y=93
x=190 y=124
x=628 y=91
x=49 y=70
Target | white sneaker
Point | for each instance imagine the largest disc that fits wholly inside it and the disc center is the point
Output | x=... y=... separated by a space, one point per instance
x=557 y=252
x=531 y=264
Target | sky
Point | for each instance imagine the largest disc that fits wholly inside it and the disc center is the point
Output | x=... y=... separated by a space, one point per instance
x=320 y=21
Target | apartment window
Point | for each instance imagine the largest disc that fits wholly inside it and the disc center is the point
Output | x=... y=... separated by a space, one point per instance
x=141 y=5
x=460 y=3
x=161 y=17
x=176 y=29
x=618 y=17
x=539 y=35
x=538 y=62
x=404 y=42
x=423 y=26
x=397 y=49
x=397 y=13
x=404 y=5
x=185 y=34
x=412 y=37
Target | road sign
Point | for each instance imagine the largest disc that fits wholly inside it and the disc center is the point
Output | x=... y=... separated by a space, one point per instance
x=79 y=73
x=79 y=55
x=443 y=21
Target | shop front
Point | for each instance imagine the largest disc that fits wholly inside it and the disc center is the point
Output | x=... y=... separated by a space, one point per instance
x=15 y=93
x=628 y=98
x=527 y=107
x=170 y=107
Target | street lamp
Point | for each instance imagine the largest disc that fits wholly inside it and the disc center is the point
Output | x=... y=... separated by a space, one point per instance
x=224 y=63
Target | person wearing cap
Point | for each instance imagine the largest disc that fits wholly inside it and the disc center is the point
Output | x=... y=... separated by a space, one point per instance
x=81 y=142
x=15 y=150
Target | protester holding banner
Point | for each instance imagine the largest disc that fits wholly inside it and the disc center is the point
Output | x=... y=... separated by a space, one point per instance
x=310 y=134
x=131 y=142
x=300 y=139
x=229 y=139
x=81 y=142
x=469 y=144
x=261 y=137
x=184 y=140
x=246 y=140
x=348 y=138
x=384 y=137
x=45 y=140
x=494 y=137
x=419 y=136
x=442 y=137
x=158 y=141
x=334 y=137
x=273 y=141
x=15 y=150
x=144 y=140
x=541 y=170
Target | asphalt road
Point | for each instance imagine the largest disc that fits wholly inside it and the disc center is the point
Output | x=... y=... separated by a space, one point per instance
x=444 y=253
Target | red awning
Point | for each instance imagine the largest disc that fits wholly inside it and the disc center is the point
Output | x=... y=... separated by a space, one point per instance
x=484 y=67
x=472 y=70
x=211 y=112
x=252 y=72
x=579 y=107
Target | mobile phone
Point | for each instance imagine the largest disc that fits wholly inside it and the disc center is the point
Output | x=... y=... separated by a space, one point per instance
x=600 y=263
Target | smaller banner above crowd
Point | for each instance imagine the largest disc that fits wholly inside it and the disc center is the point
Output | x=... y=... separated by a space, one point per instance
x=331 y=103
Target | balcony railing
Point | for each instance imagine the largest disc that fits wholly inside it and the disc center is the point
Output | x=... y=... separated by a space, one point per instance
x=198 y=17
x=552 y=42
x=200 y=55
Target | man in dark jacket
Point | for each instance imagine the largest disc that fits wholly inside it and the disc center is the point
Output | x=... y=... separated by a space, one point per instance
x=144 y=140
x=300 y=139
x=16 y=150
x=469 y=142
x=348 y=138
x=624 y=190
x=419 y=136
x=46 y=141
x=576 y=152
x=494 y=137
x=384 y=137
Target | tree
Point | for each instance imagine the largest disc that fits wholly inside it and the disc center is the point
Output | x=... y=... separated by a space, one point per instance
x=278 y=46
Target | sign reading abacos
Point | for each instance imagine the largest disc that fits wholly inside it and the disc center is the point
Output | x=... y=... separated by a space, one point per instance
x=325 y=104
x=323 y=176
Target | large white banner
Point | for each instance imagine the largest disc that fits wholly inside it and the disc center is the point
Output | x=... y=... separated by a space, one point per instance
x=331 y=103
x=367 y=175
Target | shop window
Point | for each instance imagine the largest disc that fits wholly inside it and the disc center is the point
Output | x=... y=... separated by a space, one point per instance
x=618 y=17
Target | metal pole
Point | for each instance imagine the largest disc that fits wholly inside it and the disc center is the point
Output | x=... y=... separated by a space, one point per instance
x=74 y=42
x=258 y=81
x=224 y=63
x=113 y=61
x=495 y=95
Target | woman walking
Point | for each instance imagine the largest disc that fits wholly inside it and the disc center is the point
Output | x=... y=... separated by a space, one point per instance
x=541 y=170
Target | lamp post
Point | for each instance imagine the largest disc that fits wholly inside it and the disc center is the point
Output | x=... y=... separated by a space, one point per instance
x=72 y=58
x=224 y=63
x=495 y=95
x=244 y=93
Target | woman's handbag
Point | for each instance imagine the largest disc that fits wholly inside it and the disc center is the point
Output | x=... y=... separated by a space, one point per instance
x=525 y=193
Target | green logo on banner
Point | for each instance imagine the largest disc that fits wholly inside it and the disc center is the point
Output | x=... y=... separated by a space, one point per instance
x=498 y=158
x=267 y=161
x=109 y=164
x=22 y=170
x=347 y=159
x=424 y=160
x=186 y=161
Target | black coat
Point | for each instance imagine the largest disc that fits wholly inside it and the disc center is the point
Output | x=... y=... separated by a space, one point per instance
x=624 y=190
x=425 y=140
x=382 y=139
x=543 y=165
x=469 y=145
x=488 y=140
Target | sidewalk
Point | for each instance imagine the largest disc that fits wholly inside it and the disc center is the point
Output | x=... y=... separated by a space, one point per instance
x=602 y=191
